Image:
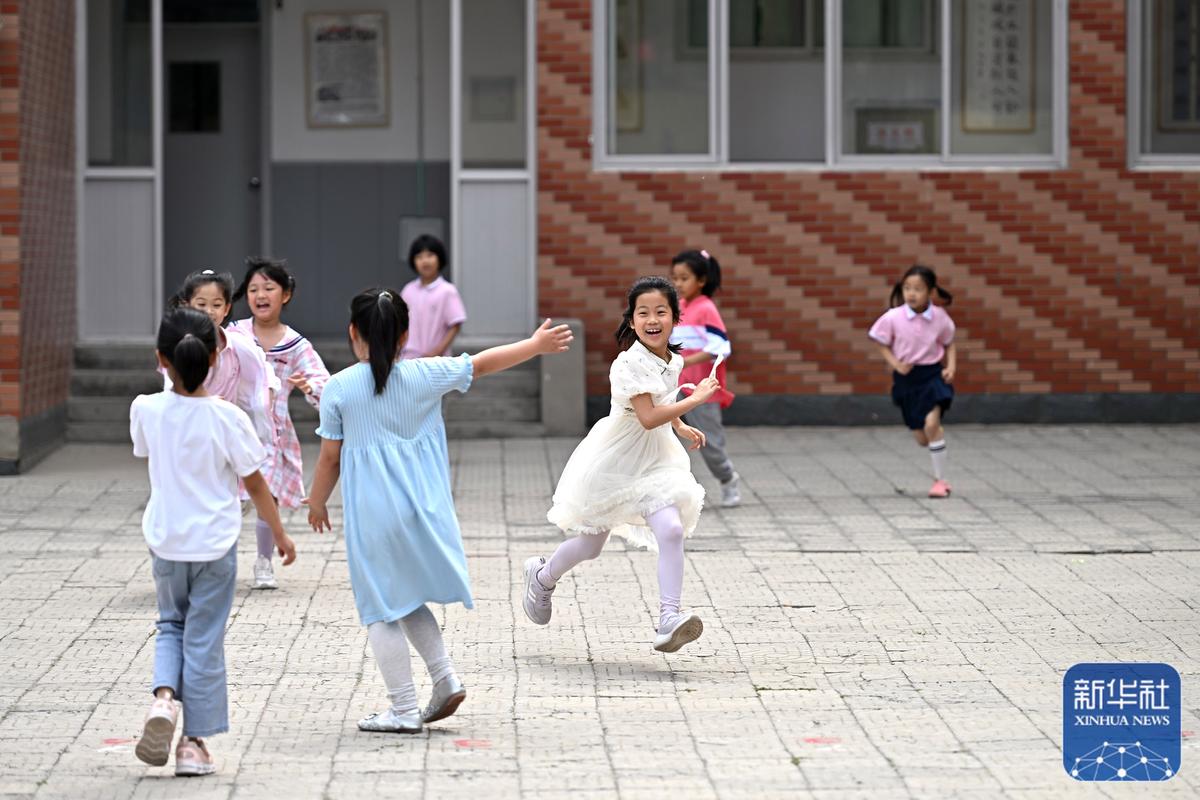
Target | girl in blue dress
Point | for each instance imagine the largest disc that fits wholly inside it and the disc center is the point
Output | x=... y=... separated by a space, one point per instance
x=382 y=432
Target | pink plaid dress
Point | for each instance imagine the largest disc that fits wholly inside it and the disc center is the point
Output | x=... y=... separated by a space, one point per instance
x=294 y=355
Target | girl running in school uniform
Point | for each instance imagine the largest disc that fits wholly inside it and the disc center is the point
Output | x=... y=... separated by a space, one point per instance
x=701 y=334
x=916 y=338
x=268 y=287
x=630 y=475
x=435 y=309
x=382 y=432
x=198 y=446
x=240 y=374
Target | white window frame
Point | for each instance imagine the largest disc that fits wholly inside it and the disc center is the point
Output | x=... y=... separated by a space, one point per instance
x=717 y=158
x=1135 y=54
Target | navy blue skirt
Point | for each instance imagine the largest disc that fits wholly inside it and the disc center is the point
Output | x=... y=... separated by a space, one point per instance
x=919 y=392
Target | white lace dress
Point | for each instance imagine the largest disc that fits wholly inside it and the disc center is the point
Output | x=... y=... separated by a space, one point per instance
x=621 y=472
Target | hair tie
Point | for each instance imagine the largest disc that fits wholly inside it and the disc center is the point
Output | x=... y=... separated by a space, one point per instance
x=706 y=255
x=385 y=295
x=207 y=272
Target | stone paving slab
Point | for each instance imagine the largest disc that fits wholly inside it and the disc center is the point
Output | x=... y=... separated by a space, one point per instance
x=860 y=640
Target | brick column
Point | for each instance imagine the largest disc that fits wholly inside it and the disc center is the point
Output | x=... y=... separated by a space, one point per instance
x=37 y=226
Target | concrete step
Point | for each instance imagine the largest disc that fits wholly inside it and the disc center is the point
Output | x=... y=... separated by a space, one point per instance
x=115 y=356
x=102 y=432
x=492 y=407
x=114 y=382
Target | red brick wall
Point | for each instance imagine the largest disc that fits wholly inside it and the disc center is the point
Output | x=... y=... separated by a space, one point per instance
x=48 y=254
x=10 y=213
x=1080 y=280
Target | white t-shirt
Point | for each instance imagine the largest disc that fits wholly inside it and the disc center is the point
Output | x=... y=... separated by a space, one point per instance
x=198 y=448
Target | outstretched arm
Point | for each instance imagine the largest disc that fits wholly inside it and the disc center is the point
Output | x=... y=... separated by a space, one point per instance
x=543 y=341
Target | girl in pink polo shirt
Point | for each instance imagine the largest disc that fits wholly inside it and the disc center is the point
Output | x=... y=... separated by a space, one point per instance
x=435 y=309
x=916 y=338
x=701 y=334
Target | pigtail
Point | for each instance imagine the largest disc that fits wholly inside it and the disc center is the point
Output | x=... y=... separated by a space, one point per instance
x=625 y=334
x=275 y=269
x=931 y=283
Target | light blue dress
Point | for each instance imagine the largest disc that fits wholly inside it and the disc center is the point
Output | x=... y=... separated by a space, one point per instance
x=403 y=543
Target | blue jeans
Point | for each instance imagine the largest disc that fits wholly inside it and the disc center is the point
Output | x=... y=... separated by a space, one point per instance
x=194 y=600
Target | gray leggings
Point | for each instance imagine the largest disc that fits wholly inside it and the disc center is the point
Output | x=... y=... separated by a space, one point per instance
x=707 y=417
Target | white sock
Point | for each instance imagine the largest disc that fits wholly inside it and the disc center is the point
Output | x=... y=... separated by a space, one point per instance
x=391 y=654
x=425 y=635
x=937 y=454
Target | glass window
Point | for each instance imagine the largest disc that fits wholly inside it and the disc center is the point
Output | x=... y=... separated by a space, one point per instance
x=776 y=83
x=882 y=24
x=494 y=84
x=658 y=78
x=891 y=100
x=119 y=83
x=1170 y=91
x=1002 y=78
x=194 y=97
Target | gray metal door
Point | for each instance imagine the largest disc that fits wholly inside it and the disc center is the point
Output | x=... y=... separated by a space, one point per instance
x=211 y=148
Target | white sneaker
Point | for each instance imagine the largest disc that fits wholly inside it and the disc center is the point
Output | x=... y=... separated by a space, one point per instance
x=264 y=574
x=536 y=601
x=677 y=631
x=730 y=496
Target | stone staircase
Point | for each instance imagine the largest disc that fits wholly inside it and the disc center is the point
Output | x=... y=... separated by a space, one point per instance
x=107 y=377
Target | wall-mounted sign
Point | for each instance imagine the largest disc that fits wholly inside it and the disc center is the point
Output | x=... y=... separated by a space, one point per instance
x=998 y=69
x=346 y=67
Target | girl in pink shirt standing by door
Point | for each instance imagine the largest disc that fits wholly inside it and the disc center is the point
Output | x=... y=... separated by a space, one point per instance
x=435 y=309
x=916 y=338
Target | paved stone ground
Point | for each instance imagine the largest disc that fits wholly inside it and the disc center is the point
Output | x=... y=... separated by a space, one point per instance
x=860 y=640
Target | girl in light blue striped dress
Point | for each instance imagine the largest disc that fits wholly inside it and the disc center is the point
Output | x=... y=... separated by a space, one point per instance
x=382 y=432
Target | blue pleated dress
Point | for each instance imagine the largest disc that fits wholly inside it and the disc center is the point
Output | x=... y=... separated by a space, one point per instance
x=403 y=542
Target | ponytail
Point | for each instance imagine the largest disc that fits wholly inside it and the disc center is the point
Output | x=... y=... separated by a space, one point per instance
x=381 y=319
x=187 y=339
x=929 y=277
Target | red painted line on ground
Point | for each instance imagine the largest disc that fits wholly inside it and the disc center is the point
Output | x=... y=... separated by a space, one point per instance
x=475 y=744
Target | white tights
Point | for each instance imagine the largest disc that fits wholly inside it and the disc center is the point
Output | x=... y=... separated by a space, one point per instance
x=389 y=642
x=668 y=531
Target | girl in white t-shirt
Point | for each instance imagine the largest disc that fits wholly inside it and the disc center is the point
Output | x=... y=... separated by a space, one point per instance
x=198 y=446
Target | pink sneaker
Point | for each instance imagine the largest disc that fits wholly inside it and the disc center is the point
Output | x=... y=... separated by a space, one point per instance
x=939 y=489
x=193 y=758
x=155 y=745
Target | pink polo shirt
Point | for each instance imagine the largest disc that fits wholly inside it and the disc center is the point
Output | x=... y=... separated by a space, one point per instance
x=915 y=338
x=432 y=311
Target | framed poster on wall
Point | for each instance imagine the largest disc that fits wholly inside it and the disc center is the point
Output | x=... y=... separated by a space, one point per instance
x=999 y=41
x=346 y=69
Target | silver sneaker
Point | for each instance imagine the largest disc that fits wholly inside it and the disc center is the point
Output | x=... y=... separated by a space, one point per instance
x=536 y=601
x=391 y=722
x=448 y=694
x=678 y=631
x=264 y=574
x=730 y=496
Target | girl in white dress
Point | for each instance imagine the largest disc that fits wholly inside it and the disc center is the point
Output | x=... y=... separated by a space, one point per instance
x=631 y=475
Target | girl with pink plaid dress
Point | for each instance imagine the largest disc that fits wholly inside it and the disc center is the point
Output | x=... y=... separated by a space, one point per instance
x=268 y=287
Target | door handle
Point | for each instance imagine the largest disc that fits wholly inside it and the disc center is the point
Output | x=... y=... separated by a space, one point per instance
x=255 y=182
